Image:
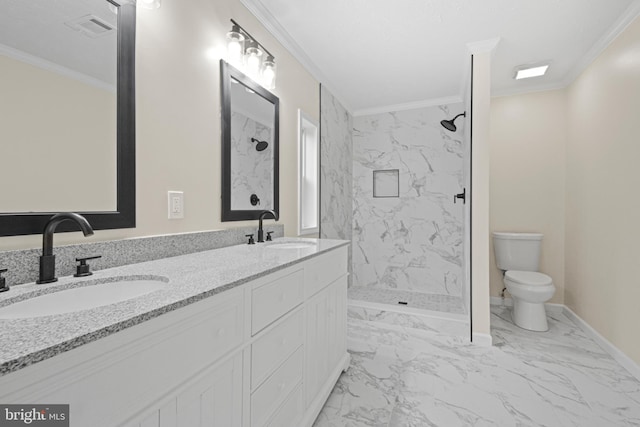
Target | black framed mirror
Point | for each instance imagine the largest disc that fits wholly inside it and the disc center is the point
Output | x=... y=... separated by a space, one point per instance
x=94 y=53
x=250 y=148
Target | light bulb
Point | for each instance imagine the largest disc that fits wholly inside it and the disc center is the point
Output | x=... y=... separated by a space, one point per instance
x=235 y=52
x=269 y=73
x=252 y=59
x=235 y=46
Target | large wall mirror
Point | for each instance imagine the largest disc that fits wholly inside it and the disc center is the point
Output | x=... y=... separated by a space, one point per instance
x=68 y=113
x=249 y=146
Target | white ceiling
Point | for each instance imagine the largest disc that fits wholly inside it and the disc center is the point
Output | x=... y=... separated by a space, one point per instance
x=378 y=54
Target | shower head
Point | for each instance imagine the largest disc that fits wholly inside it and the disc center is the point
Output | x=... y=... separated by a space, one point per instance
x=449 y=125
x=261 y=145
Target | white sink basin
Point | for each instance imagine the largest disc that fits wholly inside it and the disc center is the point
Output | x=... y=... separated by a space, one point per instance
x=82 y=298
x=292 y=245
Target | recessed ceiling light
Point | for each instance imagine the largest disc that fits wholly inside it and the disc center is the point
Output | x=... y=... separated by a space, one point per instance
x=527 y=72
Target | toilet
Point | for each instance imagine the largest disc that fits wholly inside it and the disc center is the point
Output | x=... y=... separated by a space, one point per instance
x=518 y=256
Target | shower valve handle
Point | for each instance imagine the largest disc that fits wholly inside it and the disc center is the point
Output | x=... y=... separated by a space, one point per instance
x=462 y=196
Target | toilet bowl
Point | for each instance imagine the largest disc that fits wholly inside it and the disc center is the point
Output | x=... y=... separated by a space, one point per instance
x=529 y=291
x=518 y=256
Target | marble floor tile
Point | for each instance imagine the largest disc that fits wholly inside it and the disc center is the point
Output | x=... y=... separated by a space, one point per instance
x=403 y=376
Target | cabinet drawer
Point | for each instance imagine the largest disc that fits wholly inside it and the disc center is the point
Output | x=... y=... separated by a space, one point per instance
x=271 y=301
x=289 y=414
x=274 y=346
x=276 y=388
x=324 y=269
x=223 y=331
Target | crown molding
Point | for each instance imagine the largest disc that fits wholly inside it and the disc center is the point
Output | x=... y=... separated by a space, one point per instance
x=483 y=46
x=543 y=87
x=629 y=15
x=277 y=30
x=43 y=64
x=408 y=106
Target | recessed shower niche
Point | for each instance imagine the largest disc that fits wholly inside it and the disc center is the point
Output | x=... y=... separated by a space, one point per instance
x=386 y=183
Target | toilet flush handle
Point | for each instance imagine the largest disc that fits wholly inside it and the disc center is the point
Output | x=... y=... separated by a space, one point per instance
x=462 y=196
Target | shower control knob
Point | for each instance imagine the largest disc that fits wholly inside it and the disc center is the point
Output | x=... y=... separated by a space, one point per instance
x=462 y=196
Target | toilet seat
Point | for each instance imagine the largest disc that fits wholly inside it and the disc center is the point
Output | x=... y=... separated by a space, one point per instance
x=528 y=278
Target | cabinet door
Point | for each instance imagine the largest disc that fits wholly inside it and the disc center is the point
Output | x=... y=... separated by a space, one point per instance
x=317 y=365
x=213 y=400
x=336 y=321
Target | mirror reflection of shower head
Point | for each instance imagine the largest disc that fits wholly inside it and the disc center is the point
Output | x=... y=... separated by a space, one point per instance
x=261 y=145
x=449 y=125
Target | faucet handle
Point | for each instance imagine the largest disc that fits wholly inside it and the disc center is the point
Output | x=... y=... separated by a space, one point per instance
x=83 y=269
x=3 y=281
x=269 y=236
x=251 y=241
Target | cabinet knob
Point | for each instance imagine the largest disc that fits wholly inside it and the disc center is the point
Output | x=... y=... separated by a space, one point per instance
x=221 y=332
x=281 y=386
x=281 y=297
x=283 y=342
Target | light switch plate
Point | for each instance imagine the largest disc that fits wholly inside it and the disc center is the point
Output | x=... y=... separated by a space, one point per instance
x=176 y=204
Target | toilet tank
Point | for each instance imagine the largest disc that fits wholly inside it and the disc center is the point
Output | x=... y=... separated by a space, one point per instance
x=517 y=251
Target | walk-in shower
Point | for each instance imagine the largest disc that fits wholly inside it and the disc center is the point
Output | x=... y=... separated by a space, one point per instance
x=408 y=250
x=388 y=182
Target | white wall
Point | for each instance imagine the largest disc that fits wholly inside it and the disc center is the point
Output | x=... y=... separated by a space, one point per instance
x=527 y=178
x=178 y=118
x=602 y=203
x=481 y=105
x=565 y=163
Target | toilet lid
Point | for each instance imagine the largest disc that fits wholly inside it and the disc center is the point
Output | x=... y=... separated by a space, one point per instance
x=531 y=278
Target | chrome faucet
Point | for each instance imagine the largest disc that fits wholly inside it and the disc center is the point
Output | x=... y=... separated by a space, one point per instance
x=48 y=259
x=260 y=218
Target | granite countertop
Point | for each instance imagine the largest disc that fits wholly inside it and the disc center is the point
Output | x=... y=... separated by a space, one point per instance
x=191 y=278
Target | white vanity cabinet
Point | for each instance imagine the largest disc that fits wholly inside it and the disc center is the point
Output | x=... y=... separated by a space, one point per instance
x=214 y=397
x=265 y=353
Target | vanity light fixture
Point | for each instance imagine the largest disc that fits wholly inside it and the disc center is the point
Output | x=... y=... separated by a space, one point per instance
x=253 y=59
x=245 y=53
x=149 y=4
x=269 y=72
x=235 y=46
x=527 y=71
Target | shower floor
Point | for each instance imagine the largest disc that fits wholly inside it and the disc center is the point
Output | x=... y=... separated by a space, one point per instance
x=415 y=300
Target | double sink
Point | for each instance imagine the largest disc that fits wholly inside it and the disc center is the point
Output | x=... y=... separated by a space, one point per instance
x=101 y=292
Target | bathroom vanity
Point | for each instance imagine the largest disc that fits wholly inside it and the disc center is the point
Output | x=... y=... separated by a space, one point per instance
x=250 y=335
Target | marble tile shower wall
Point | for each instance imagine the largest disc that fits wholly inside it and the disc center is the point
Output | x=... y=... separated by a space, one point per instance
x=336 y=146
x=413 y=242
x=251 y=170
